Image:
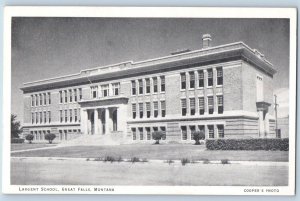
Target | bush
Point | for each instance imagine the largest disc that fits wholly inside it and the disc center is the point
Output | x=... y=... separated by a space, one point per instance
x=185 y=161
x=169 y=162
x=135 y=159
x=17 y=140
x=157 y=135
x=268 y=144
x=205 y=161
x=109 y=159
x=50 y=137
x=225 y=161
x=29 y=138
x=197 y=136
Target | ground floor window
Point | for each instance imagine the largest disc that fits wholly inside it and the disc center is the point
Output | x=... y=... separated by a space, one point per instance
x=148 y=131
x=141 y=133
x=192 y=130
x=221 y=131
x=211 y=133
x=163 y=130
x=183 y=133
x=133 y=130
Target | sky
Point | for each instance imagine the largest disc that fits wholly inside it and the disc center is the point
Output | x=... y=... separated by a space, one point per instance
x=48 y=47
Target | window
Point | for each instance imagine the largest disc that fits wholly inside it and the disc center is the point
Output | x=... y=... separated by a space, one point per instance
x=66 y=115
x=163 y=108
x=162 y=84
x=66 y=96
x=183 y=80
x=49 y=98
x=70 y=95
x=141 y=87
x=148 y=109
x=200 y=78
x=49 y=116
x=147 y=86
x=192 y=130
x=155 y=108
x=45 y=117
x=219 y=76
x=32 y=117
x=61 y=116
x=192 y=80
x=210 y=101
x=45 y=99
x=60 y=97
x=75 y=115
x=183 y=133
x=41 y=117
x=75 y=95
x=155 y=129
x=32 y=100
x=133 y=110
x=133 y=88
x=148 y=132
x=94 y=92
x=105 y=90
x=71 y=115
x=141 y=109
x=210 y=79
x=80 y=94
x=202 y=129
x=220 y=104
x=221 y=131
x=141 y=133
x=155 y=87
x=192 y=106
x=116 y=89
x=41 y=99
x=183 y=107
x=36 y=100
x=163 y=130
x=133 y=130
x=201 y=105
x=211 y=133
x=36 y=117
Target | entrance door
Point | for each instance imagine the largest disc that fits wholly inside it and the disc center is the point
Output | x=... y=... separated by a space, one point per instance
x=103 y=121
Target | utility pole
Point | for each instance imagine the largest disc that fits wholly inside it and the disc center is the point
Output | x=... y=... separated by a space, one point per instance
x=276 y=105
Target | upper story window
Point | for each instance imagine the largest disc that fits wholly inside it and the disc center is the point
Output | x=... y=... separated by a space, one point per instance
x=220 y=104
x=210 y=102
x=116 y=89
x=192 y=80
x=45 y=117
x=49 y=98
x=80 y=94
x=141 y=109
x=105 y=90
x=60 y=97
x=155 y=108
x=210 y=77
x=32 y=100
x=41 y=99
x=61 y=116
x=94 y=92
x=75 y=95
x=66 y=96
x=45 y=99
x=183 y=107
x=192 y=106
x=71 y=115
x=75 y=115
x=66 y=115
x=148 y=109
x=200 y=78
x=201 y=105
x=41 y=117
x=162 y=84
x=70 y=95
x=141 y=88
x=49 y=116
x=32 y=117
x=36 y=100
x=163 y=108
x=155 y=87
x=148 y=86
x=133 y=87
x=183 y=80
x=219 y=76
x=133 y=110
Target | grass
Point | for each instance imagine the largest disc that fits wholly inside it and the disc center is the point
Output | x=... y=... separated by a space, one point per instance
x=161 y=152
x=25 y=146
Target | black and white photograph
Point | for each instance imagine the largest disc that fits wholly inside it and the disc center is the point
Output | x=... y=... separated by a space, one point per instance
x=149 y=100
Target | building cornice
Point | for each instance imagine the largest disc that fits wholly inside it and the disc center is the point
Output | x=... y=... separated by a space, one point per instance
x=217 y=54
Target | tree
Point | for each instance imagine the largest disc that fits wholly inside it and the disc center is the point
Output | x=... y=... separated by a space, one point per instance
x=29 y=138
x=197 y=136
x=50 y=137
x=15 y=127
x=157 y=135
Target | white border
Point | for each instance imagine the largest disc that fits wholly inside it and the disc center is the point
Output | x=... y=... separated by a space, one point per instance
x=162 y=12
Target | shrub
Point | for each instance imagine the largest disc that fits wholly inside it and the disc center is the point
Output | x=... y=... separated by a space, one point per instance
x=87 y=159
x=268 y=144
x=109 y=159
x=120 y=159
x=17 y=140
x=97 y=159
x=157 y=135
x=225 y=161
x=169 y=162
x=197 y=136
x=185 y=161
x=29 y=138
x=134 y=159
x=205 y=161
x=50 y=137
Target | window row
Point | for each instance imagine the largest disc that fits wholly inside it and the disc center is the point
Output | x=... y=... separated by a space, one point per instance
x=105 y=90
x=193 y=80
x=188 y=131
x=39 y=135
x=201 y=105
x=41 y=117
x=41 y=99
x=70 y=95
x=148 y=109
x=148 y=85
x=63 y=134
x=69 y=115
x=141 y=133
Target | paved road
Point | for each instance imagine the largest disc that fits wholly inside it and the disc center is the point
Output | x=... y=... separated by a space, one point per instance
x=28 y=171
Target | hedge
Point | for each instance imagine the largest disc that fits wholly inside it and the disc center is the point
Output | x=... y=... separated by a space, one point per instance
x=248 y=144
x=17 y=140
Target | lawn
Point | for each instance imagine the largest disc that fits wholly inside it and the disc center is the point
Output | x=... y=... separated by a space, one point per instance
x=163 y=152
x=25 y=146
